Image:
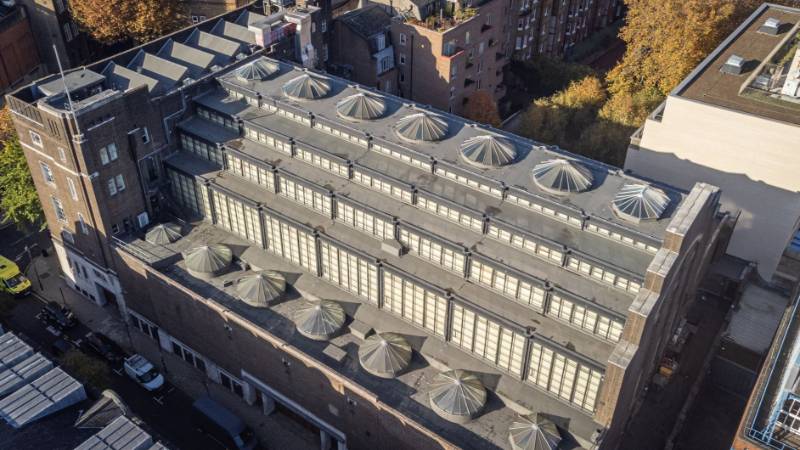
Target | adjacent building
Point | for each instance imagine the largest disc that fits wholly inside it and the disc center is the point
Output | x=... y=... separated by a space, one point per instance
x=363 y=50
x=200 y=10
x=735 y=122
x=386 y=273
x=52 y=24
x=19 y=59
x=445 y=51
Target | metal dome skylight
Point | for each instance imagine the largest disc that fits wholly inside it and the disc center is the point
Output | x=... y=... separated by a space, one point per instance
x=421 y=126
x=637 y=202
x=384 y=354
x=207 y=261
x=488 y=151
x=319 y=320
x=307 y=87
x=258 y=70
x=562 y=176
x=538 y=433
x=163 y=234
x=262 y=288
x=361 y=106
x=457 y=395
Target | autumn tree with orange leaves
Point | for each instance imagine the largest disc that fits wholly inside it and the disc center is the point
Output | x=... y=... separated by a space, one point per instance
x=111 y=21
x=482 y=108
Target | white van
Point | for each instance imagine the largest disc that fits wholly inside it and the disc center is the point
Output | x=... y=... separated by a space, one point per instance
x=142 y=371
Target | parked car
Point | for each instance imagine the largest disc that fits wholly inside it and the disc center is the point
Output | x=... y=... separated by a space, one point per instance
x=61 y=346
x=222 y=425
x=143 y=372
x=58 y=315
x=103 y=346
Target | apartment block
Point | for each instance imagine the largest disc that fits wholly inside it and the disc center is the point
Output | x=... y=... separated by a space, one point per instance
x=387 y=274
x=735 y=122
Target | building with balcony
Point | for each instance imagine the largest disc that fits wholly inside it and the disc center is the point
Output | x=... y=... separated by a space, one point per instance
x=734 y=122
x=388 y=274
x=363 y=50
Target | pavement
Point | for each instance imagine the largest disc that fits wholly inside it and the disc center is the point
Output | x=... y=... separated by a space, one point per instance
x=167 y=414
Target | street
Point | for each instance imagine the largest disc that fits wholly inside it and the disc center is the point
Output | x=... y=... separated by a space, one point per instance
x=166 y=414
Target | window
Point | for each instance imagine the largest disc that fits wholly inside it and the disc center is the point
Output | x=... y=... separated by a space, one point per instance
x=108 y=153
x=414 y=303
x=73 y=192
x=291 y=242
x=447 y=257
x=190 y=195
x=402 y=59
x=511 y=286
x=481 y=47
x=564 y=377
x=114 y=228
x=380 y=42
x=488 y=339
x=452 y=92
x=386 y=63
x=204 y=150
x=789 y=415
x=82 y=223
x=402 y=77
x=255 y=173
x=403 y=38
x=526 y=243
x=323 y=26
x=67 y=31
x=350 y=271
x=304 y=195
x=231 y=383
x=62 y=155
x=116 y=185
x=466 y=37
x=58 y=207
x=145 y=135
x=67 y=236
x=189 y=356
x=47 y=174
x=379 y=226
x=36 y=139
x=237 y=217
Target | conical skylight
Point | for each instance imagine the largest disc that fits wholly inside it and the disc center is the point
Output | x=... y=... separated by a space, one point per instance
x=488 y=151
x=163 y=234
x=457 y=395
x=361 y=106
x=637 y=202
x=208 y=260
x=258 y=70
x=384 y=354
x=538 y=433
x=307 y=87
x=262 y=288
x=562 y=176
x=319 y=320
x=421 y=127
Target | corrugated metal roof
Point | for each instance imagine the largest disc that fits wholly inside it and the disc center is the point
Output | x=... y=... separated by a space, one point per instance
x=13 y=350
x=121 y=434
x=28 y=369
x=49 y=393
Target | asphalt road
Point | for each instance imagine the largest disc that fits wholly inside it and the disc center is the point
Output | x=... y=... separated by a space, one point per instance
x=166 y=415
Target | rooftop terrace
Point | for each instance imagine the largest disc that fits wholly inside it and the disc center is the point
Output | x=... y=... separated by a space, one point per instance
x=753 y=69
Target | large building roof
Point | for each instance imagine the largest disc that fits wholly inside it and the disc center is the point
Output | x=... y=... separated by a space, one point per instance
x=758 y=49
x=368 y=21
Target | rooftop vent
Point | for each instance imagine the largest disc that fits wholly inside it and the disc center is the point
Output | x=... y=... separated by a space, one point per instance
x=163 y=234
x=262 y=288
x=361 y=106
x=384 y=355
x=771 y=26
x=488 y=151
x=319 y=320
x=638 y=202
x=734 y=65
x=421 y=126
x=562 y=176
x=457 y=395
x=207 y=261
x=258 y=70
x=534 y=433
x=307 y=87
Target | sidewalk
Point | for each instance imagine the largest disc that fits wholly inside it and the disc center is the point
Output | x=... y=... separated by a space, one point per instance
x=278 y=430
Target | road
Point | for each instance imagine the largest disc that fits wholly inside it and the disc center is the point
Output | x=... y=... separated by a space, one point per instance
x=166 y=415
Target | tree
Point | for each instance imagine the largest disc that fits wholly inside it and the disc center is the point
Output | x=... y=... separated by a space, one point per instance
x=111 y=21
x=561 y=118
x=19 y=201
x=6 y=126
x=482 y=108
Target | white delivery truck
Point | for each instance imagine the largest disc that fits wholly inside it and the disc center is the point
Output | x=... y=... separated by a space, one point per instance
x=143 y=372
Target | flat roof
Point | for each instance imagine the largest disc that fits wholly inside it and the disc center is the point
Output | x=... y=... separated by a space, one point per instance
x=595 y=202
x=120 y=434
x=708 y=84
x=407 y=392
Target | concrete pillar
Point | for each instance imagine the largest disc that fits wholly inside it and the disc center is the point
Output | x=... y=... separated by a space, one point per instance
x=268 y=404
x=250 y=393
x=341 y=445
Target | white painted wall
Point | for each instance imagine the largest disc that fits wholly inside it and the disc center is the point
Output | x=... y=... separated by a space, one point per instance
x=755 y=161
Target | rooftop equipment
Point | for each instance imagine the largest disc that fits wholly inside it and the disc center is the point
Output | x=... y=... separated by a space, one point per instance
x=534 y=433
x=457 y=395
x=163 y=234
x=488 y=151
x=422 y=126
x=208 y=261
x=361 y=106
x=637 y=202
x=385 y=355
x=307 y=87
x=260 y=289
x=319 y=320
x=562 y=176
x=734 y=65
